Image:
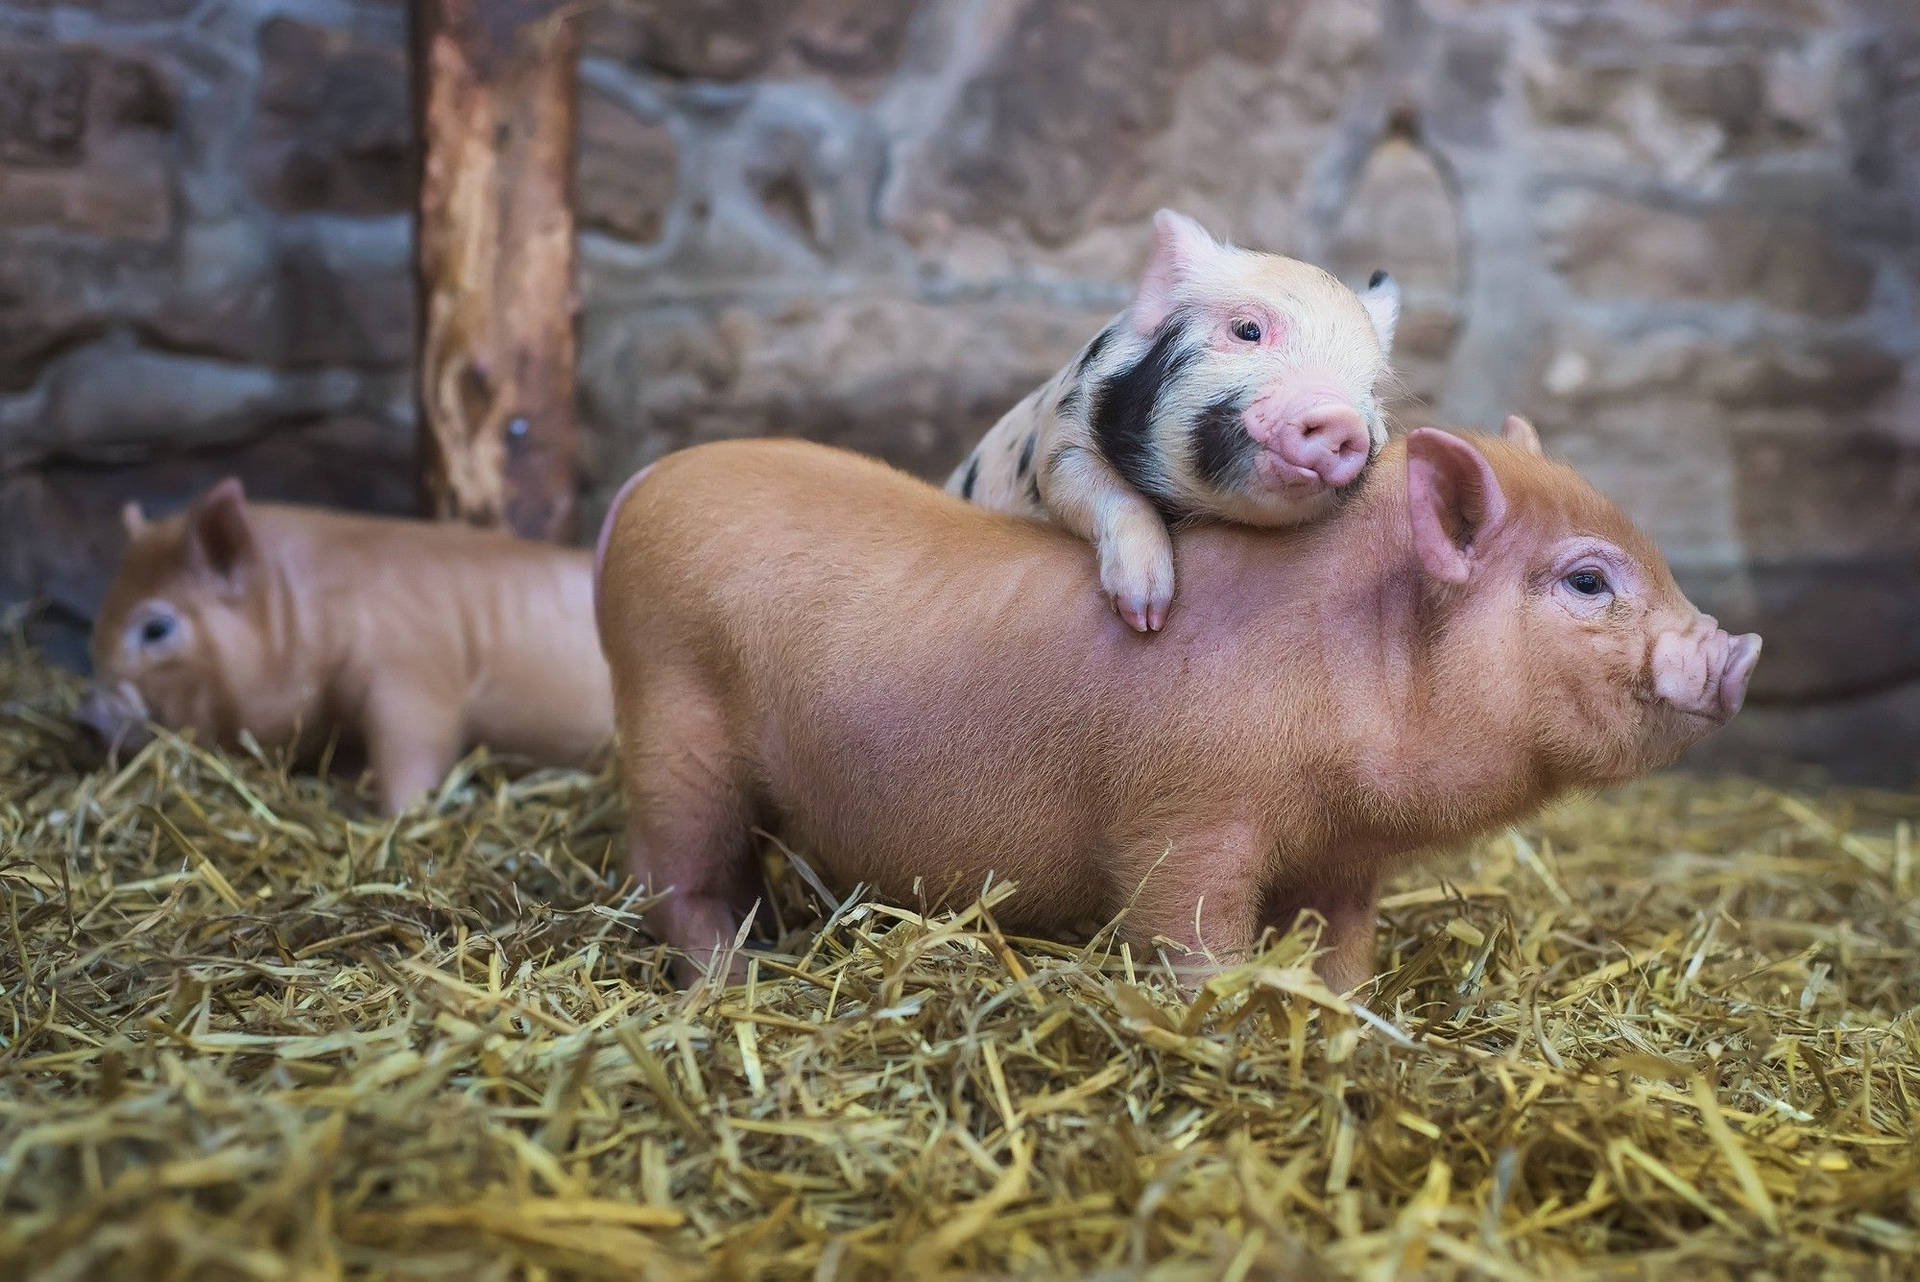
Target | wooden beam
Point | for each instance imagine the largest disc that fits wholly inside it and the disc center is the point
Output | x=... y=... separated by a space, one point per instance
x=494 y=254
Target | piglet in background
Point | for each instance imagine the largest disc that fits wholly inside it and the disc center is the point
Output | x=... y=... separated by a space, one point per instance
x=1236 y=386
x=926 y=693
x=415 y=639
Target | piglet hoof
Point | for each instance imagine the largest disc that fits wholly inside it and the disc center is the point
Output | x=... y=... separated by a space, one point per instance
x=1135 y=613
x=1140 y=587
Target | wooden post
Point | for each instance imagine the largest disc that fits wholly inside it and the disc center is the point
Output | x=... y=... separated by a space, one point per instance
x=494 y=254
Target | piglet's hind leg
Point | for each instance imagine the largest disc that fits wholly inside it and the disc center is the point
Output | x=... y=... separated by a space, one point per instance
x=689 y=831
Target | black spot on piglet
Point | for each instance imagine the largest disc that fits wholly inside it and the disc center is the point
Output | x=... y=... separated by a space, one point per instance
x=973 y=474
x=1124 y=403
x=1026 y=455
x=1222 y=449
x=1094 y=348
x=1373 y=281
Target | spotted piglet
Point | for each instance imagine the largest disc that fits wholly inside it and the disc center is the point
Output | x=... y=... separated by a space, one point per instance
x=1236 y=386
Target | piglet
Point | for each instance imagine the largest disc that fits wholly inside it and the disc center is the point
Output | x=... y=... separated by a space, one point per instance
x=1235 y=386
x=925 y=693
x=416 y=639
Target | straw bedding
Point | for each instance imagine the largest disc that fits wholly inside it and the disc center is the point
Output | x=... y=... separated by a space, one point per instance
x=248 y=1032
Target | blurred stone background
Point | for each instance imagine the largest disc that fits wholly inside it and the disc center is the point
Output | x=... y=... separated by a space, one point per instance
x=1684 y=236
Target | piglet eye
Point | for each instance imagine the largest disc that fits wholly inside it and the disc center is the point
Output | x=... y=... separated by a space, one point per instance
x=156 y=630
x=1246 y=331
x=1587 y=582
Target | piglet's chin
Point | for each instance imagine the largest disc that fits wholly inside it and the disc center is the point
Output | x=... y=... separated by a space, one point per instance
x=1289 y=480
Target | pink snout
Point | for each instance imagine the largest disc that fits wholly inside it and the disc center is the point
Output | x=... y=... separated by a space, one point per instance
x=1317 y=440
x=1705 y=671
x=116 y=719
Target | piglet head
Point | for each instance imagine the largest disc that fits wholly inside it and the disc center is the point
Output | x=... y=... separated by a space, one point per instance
x=1569 y=607
x=181 y=638
x=1274 y=367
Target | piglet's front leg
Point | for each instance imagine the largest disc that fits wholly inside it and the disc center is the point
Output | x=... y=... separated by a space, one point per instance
x=413 y=739
x=1193 y=898
x=1086 y=495
x=1136 y=567
x=1350 y=912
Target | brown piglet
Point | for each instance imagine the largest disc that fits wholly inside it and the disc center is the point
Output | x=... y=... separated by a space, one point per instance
x=921 y=693
x=417 y=639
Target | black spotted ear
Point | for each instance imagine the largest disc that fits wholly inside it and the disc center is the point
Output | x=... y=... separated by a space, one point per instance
x=1454 y=500
x=220 y=542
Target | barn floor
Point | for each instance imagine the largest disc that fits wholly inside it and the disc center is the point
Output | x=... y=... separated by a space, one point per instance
x=1671 y=1032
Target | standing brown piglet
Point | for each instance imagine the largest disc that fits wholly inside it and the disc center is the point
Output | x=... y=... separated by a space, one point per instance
x=415 y=638
x=922 y=692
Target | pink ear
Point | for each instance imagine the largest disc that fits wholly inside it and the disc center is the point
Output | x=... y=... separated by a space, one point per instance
x=1179 y=245
x=1454 y=499
x=1522 y=433
x=133 y=520
x=220 y=534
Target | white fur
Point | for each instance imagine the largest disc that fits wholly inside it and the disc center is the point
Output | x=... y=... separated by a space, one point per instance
x=1330 y=336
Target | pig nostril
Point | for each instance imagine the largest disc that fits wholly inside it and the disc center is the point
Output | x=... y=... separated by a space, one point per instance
x=1339 y=430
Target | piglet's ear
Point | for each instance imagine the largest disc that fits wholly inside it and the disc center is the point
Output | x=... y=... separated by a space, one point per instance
x=1518 y=431
x=1455 y=502
x=1180 y=245
x=220 y=535
x=1381 y=298
x=133 y=520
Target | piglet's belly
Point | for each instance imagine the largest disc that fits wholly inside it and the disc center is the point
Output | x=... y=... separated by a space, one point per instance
x=546 y=725
x=924 y=820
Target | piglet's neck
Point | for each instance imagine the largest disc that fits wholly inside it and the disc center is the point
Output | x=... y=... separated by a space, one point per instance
x=1433 y=733
x=303 y=602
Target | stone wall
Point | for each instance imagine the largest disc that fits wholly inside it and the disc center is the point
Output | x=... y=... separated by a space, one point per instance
x=1682 y=235
x=203 y=266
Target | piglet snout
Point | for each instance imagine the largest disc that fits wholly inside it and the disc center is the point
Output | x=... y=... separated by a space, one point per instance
x=116 y=721
x=1328 y=439
x=1704 y=671
x=1743 y=652
x=96 y=714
